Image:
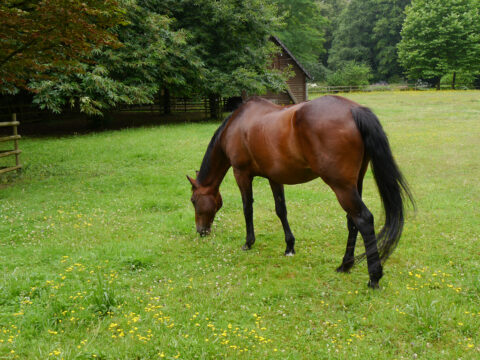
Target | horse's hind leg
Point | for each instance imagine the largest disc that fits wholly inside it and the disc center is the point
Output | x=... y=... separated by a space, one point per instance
x=362 y=218
x=349 y=258
x=281 y=210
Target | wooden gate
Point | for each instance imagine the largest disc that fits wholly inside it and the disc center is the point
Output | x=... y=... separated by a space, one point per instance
x=16 y=151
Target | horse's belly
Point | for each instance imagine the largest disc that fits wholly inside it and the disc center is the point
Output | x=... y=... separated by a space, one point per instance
x=290 y=175
x=281 y=162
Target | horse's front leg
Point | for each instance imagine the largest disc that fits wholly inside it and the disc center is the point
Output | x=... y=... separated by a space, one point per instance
x=244 y=181
x=281 y=210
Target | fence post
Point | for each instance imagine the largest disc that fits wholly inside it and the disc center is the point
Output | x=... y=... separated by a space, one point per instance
x=15 y=151
x=15 y=142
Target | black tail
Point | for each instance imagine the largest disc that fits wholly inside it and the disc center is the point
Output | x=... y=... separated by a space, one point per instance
x=390 y=182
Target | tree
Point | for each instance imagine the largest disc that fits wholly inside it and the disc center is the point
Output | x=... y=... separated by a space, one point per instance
x=350 y=74
x=330 y=9
x=368 y=32
x=304 y=31
x=352 y=40
x=231 y=37
x=192 y=47
x=36 y=36
x=151 y=56
x=386 y=36
x=440 y=36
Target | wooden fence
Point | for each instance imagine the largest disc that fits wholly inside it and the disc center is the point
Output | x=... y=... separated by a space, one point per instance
x=314 y=90
x=175 y=105
x=16 y=151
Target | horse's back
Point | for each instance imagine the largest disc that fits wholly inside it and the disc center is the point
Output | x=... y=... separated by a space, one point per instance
x=294 y=144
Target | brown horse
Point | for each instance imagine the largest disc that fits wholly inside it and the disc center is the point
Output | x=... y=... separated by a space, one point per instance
x=329 y=137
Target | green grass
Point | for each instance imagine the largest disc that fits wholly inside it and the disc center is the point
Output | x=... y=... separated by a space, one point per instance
x=99 y=258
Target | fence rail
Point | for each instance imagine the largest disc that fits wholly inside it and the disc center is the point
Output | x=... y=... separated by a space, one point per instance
x=16 y=151
x=312 y=90
x=175 y=105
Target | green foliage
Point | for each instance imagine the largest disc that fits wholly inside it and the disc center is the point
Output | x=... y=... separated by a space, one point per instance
x=38 y=36
x=304 y=31
x=193 y=47
x=386 y=35
x=231 y=38
x=351 y=41
x=151 y=56
x=90 y=91
x=350 y=73
x=367 y=32
x=330 y=9
x=440 y=36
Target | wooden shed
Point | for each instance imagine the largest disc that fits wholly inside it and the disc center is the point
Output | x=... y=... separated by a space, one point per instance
x=297 y=85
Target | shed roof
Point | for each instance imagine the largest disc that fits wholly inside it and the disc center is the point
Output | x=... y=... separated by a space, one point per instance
x=282 y=45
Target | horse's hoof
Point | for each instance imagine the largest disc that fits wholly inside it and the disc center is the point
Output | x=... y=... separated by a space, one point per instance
x=289 y=252
x=373 y=285
x=344 y=268
x=246 y=247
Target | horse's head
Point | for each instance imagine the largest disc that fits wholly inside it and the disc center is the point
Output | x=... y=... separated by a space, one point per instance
x=207 y=202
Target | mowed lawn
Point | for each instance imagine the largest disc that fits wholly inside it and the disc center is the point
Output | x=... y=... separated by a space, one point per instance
x=99 y=257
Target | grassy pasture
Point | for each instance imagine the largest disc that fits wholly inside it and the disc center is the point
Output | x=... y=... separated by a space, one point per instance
x=99 y=258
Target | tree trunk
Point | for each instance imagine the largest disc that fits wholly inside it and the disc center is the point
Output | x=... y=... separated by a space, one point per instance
x=438 y=84
x=167 y=109
x=453 y=80
x=214 y=102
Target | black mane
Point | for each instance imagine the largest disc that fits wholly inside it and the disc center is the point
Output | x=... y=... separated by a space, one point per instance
x=206 y=163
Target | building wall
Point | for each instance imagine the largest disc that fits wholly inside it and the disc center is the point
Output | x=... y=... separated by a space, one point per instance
x=297 y=83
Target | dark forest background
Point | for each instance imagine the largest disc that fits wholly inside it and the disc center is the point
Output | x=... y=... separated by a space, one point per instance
x=94 y=55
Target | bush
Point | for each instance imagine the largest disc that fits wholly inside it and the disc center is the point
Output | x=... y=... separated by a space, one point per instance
x=317 y=71
x=350 y=74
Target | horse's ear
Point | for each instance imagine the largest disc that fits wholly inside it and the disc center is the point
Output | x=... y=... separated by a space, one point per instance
x=193 y=182
x=196 y=173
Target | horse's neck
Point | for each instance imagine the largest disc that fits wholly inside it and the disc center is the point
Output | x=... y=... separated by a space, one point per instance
x=219 y=165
